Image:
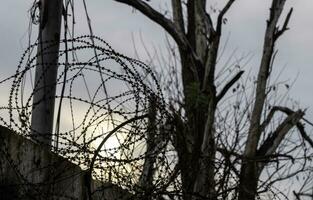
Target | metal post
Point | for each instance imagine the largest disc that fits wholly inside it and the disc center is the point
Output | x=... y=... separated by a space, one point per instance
x=46 y=70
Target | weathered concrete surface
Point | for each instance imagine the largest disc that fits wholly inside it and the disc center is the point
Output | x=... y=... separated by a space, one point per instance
x=28 y=171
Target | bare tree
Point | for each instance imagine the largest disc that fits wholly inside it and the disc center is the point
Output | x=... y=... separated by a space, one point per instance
x=201 y=142
x=195 y=136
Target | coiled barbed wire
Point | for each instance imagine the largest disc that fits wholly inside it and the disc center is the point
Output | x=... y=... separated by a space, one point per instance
x=89 y=115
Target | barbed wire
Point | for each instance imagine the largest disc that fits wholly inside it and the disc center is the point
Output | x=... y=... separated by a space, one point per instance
x=131 y=86
x=115 y=122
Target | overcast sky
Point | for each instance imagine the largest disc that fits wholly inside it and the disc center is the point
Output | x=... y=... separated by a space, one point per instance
x=117 y=23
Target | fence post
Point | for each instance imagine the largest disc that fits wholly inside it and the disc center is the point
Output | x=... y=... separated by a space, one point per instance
x=46 y=70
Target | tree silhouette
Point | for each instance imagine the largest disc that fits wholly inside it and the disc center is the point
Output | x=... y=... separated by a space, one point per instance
x=191 y=132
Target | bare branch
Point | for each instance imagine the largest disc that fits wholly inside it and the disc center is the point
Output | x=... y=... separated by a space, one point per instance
x=178 y=16
x=160 y=19
x=272 y=142
x=229 y=85
x=214 y=39
x=263 y=75
x=285 y=26
x=228 y=153
x=271 y=115
x=304 y=134
x=287 y=111
x=221 y=16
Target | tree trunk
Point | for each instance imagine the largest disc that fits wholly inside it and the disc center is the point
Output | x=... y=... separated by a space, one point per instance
x=250 y=170
x=248 y=186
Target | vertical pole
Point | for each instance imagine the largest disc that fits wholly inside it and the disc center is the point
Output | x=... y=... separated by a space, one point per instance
x=46 y=70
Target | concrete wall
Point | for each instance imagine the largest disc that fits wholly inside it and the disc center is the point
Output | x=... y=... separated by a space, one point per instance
x=28 y=171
